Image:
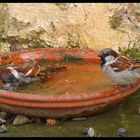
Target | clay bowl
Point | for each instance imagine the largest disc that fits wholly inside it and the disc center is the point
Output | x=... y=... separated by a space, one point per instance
x=63 y=105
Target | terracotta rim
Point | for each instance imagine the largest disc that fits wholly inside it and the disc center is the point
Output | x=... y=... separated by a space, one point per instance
x=61 y=101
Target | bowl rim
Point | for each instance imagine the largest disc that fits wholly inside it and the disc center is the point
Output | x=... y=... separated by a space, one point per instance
x=64 y=100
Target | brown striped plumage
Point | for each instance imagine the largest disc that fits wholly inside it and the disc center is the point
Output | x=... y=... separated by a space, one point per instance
x=120 y=69
x=124 y=63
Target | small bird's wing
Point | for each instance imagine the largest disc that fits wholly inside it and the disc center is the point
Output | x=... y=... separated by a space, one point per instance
x=135 y=66
x=123 y=63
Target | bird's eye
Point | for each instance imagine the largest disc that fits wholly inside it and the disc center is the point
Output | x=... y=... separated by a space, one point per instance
x=104 y=54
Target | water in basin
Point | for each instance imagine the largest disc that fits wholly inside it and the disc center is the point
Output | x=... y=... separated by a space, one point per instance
x=79 y=77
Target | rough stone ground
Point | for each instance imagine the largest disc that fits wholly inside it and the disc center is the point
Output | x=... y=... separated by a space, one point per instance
x=92 y=25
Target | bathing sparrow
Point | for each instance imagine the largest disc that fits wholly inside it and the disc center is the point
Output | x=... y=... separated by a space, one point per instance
x=120 y=69
x=12 y=77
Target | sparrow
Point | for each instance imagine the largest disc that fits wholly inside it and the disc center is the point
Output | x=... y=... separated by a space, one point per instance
x=12 y=79
x=15 y=76
x=120 y=69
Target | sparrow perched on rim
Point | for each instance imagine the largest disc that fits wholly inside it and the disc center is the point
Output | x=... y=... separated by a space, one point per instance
x=120 y=69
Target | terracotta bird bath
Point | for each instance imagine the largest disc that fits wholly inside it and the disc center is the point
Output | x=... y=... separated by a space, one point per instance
x=67 y=104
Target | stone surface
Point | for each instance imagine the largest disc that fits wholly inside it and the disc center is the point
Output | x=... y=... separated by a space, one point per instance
x=90 y=132
x=122 y=132
x=72 y=24
x=51 y=121
x=20 y=120
x=4 y=115
x=3 y=128
x=37 y=120
x=2 y=121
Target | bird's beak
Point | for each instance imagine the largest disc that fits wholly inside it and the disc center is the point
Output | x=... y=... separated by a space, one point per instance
x=99 y=55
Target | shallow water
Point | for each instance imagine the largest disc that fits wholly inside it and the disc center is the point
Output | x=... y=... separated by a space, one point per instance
x=79 y=77
x=105 y=124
